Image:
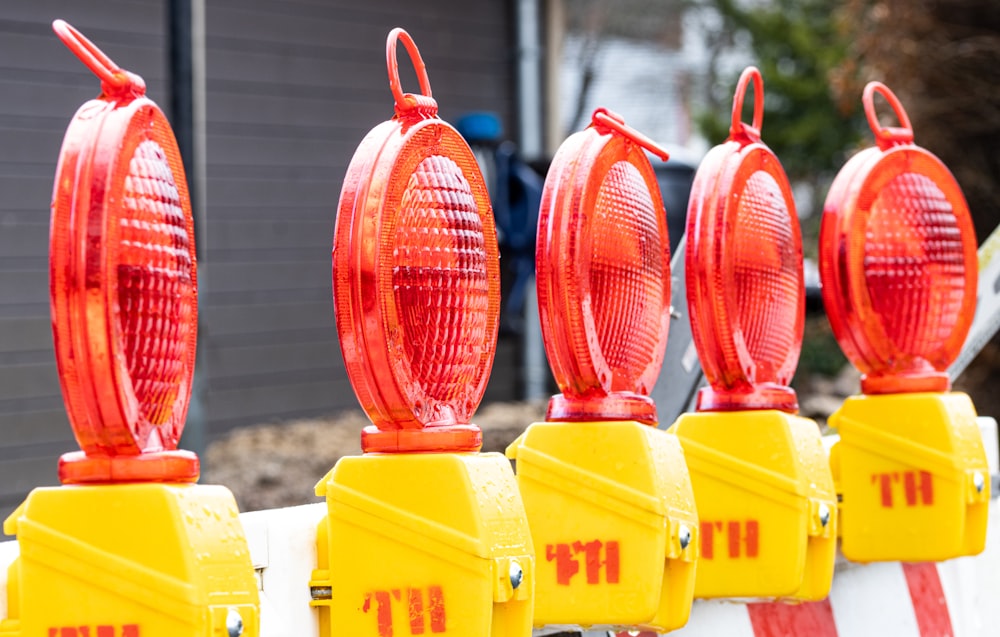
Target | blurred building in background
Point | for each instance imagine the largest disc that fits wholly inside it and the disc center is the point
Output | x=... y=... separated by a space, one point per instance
x=290 y=88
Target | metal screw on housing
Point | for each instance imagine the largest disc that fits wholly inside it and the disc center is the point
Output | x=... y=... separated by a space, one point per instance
x=824 y=514
x=684 y=536
x=978 y=481
x=516 y=574
x=321 y=592
x=234 y=623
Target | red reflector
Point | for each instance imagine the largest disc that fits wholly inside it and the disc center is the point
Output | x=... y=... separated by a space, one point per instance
x=898 y=260
x=123 y=283
x=744 y=269
x=603 y=263
x=416 y=276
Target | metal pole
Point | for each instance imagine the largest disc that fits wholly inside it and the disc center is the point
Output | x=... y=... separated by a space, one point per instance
x=529 y=79
x=186 y=108
x=530 y=142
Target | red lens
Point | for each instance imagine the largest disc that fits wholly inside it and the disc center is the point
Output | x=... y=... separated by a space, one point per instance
x=898 y=262
x=603 y=267
x=744 y=272
x=123 y=291
x=416 y=281
x=156 y=299
x=439 y=279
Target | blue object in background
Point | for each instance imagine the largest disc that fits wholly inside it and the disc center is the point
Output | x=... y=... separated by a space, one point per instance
x=516 y=194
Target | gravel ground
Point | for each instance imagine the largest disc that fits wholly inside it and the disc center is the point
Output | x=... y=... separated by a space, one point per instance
x=277 y=465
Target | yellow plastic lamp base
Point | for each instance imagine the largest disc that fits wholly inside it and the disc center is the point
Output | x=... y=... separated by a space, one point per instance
x=613 y=519
x=767 y=504
x=422 y=544
x=130 y=560
x=912 y=472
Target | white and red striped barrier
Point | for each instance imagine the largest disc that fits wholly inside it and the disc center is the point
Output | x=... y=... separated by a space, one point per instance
x=958 y=598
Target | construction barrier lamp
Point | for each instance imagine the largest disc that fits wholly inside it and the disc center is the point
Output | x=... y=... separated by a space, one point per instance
x=761 y=479
x=607 y=493
x=129 y=545
x=899 y=270
x=423 y=534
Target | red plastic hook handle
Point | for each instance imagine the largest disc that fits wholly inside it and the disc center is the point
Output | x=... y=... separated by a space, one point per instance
x=738 y=127
x=408 y=101
x=113 y=77
x=886 y=136
x=614 y=121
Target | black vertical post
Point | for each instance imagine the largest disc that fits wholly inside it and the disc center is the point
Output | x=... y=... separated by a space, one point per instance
x=181 y=111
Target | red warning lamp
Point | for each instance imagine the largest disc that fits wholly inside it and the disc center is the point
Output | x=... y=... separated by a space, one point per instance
x=603 y=264
x=744 y=269
x=898 y=260
x=416 y=276
x=123 y=283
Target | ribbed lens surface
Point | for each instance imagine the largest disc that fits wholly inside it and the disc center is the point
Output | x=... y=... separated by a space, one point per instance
x=914 y=264
x=626 y=276
x=766 y=275
x=439 y=279
x=155 y=287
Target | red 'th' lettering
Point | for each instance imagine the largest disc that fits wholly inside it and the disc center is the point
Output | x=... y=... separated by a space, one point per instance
x=437 y=609
x=384 y=614
x=417 y=612
x=918 y=487
x=742 y=538
x=708 y=540
x=753 y=538
x=612 y=563
x=567 y=565
x=885 y=484
x=925 y=488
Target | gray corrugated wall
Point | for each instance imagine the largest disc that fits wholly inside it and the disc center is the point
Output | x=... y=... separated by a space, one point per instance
x=292 y=86
x=41 y=86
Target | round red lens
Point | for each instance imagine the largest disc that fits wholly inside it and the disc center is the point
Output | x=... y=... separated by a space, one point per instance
x=898 y=261
x=603 y=266
x=156 y=299
x=123 y=287
x=439 y=279
x=744 y=270
x=416 y=278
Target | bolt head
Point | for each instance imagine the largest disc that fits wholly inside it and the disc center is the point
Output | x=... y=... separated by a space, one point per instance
x=978 y=481
x=824 y=513
x=684 y=536
x=516 y=574
x=234 y=623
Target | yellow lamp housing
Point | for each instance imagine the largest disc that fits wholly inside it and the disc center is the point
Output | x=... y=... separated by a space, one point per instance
x=912 y=473
x=766 y=501
x=130 y=560
x=613 y=518
x=421 y=544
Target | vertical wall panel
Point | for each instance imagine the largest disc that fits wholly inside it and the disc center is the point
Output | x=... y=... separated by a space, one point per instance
x=292 y=87
x=41 y=86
